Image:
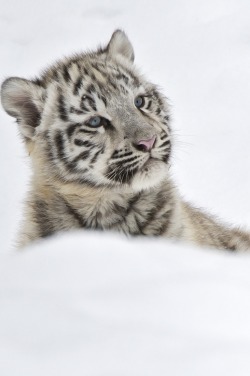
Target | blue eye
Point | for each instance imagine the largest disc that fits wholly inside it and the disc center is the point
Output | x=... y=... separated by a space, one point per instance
x=139 y=102
x=95 y=121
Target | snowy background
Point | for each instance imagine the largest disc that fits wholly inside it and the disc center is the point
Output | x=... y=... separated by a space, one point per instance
x=102 y=305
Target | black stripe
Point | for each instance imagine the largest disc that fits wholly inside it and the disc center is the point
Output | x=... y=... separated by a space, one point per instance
x=165 y=223
x=91 y=89
x=95 y=66
x=87 y=131
x=92 y=104
x=82 y=156
x=42 y=218
x=92 y=76
x=123 y=89
x=115 y=156
x=117 y=151
x=86 y=143
x=94 y=158
x=166 y=157
x=62 y=109
x=119 y=209
x=84 y=107
x=132 y=202
x=70 y=130
x=59 y=142
x=132 y=165
x=164 y=136
x=149 y=105
x=130 y=159
x=81 y=221
x=66 y=75
x=104 y=100
x=128 y=176
x=120 y=174
x=165 y=144
x=78 y=142
x=85 y=71
x=138 y=224
x=112 y=83
x=125 y=78
x=125 y=211
x=159 y=203
x=74 y=110
x=77 y=86
x=55 y=76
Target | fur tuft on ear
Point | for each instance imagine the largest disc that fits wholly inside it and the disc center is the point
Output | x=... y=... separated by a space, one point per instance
x=23 y=100
x=119 y=44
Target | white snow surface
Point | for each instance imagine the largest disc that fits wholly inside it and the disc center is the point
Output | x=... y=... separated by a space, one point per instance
x=94 y=304
x=100 y=304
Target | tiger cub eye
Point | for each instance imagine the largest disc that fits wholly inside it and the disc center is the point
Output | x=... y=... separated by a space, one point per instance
x=95 y=121
x=139 y=102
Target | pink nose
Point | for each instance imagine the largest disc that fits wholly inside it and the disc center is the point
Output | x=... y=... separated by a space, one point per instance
x=147 y=145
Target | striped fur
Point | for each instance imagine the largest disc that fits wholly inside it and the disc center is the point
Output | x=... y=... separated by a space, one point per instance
x=84 y=122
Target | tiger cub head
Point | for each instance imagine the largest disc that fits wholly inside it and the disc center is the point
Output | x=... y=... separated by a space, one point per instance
x=93 y=119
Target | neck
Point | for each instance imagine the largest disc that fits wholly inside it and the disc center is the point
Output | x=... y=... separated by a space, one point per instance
x=70 y=205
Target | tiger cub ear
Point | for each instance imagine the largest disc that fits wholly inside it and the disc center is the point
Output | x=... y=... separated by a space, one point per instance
x=23 y=99
x=119 y=44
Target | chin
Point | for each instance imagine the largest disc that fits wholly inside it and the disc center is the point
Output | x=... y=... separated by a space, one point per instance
x=150 y=175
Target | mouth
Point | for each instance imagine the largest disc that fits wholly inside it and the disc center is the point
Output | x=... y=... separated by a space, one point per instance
x=147 y=164
x=121 y=174
x=150 y=163
x=153 y=171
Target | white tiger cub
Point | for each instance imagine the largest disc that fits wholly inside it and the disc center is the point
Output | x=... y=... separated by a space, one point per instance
x=99 y=138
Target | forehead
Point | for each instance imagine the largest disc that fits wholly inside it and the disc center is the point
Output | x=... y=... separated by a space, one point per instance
x=97 y=75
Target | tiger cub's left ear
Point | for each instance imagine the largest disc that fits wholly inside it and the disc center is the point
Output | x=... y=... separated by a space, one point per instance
x=119 y=44
x=23 y=99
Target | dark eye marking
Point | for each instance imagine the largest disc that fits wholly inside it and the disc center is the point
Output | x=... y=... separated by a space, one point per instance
x=87 y=131
x=148 y=105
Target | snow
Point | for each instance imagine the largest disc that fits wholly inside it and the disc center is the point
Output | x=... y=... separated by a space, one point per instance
x=96 y=304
